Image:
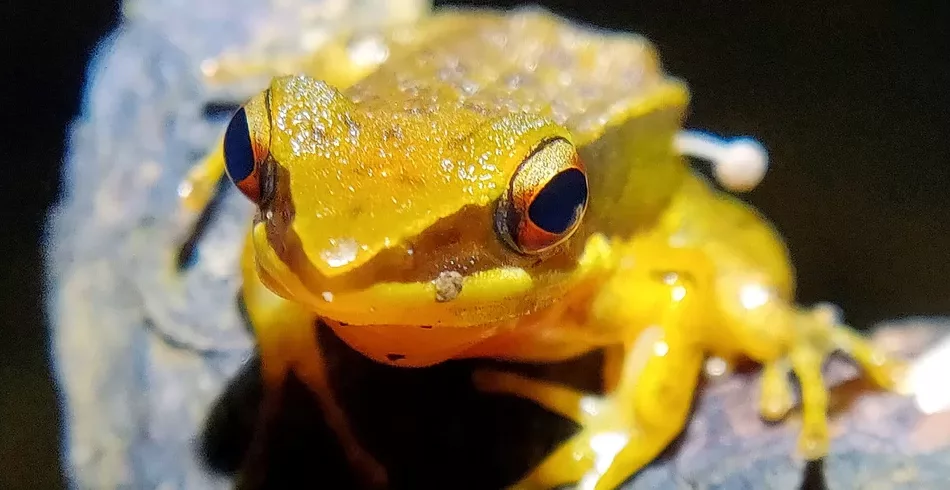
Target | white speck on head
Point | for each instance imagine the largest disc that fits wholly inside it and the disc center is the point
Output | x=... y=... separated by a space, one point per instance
x=927 y=379
x=342 y=253
x=754 y=295
x=327 y=296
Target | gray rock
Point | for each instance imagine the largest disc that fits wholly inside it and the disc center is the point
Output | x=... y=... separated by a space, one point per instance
x=143 y=352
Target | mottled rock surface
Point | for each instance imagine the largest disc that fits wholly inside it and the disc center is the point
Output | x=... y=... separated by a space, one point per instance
x=142 y=353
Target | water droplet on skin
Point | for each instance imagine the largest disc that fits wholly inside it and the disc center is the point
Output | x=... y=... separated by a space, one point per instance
x=327 y=296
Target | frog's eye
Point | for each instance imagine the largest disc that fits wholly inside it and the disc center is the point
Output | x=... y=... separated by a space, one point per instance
x=245 y=149
x=546 y=199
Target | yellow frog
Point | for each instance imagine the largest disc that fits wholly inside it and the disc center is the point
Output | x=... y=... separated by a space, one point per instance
x=513 y=186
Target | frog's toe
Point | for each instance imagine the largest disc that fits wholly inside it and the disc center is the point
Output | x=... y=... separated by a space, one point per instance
x=884 y=370
x=568 y=464
x=564 y=401
x=813 y=441
x=820 y=333
x=775 y=397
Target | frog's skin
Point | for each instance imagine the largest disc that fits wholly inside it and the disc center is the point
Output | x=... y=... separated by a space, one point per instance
x=394 y=204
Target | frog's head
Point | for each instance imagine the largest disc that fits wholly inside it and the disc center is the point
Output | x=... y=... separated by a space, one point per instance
x=382 y=212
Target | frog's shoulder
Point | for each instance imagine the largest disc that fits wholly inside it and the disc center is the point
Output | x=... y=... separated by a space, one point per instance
x=524 y=60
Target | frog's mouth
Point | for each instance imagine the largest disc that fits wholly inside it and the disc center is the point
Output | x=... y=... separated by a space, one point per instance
x=456 y=274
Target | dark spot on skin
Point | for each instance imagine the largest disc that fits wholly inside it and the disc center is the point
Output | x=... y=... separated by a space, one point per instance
x=477 y=108
x=427 y=327
x=450 y=237
x=352 y=125
x=342 y=324
x=410 y=180
x=393 y=133
x=395 y=357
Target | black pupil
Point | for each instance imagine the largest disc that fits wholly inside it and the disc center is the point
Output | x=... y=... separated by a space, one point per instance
x=555 y=208
x=238 y=153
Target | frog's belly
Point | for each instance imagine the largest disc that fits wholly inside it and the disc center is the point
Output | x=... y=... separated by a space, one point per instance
x=420 y=346
x=411 y=345
x=549 y=341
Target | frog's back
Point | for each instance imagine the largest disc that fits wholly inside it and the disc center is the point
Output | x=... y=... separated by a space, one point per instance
x=607 y=88
x=529 y=60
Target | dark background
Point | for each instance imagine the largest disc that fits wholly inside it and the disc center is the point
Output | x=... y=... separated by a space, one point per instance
x=852 y=99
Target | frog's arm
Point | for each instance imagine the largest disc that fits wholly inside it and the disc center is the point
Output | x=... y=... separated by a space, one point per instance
x=288 y=343
x=714 y=293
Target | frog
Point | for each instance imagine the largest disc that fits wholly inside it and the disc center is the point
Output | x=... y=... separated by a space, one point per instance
x=512 y=185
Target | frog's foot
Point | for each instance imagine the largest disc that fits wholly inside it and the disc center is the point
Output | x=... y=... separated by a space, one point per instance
x=621 y=432
x=818 y=333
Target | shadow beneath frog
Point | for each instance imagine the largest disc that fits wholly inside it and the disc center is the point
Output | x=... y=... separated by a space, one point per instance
x=429 y=427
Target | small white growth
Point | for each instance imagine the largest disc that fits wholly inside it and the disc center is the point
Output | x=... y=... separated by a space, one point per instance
x=927 y=379
x=738 y=164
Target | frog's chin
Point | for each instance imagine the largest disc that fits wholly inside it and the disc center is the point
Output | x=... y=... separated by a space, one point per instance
x=450 y=300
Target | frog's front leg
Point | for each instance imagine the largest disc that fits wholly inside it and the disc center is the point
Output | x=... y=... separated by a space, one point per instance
x=288 y=342
x=653 y=385
x=787 y=339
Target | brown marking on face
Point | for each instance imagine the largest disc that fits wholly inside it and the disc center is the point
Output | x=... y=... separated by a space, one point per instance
x=447 y=286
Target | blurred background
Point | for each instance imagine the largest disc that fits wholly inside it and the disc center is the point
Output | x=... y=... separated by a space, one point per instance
x=852 y=98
